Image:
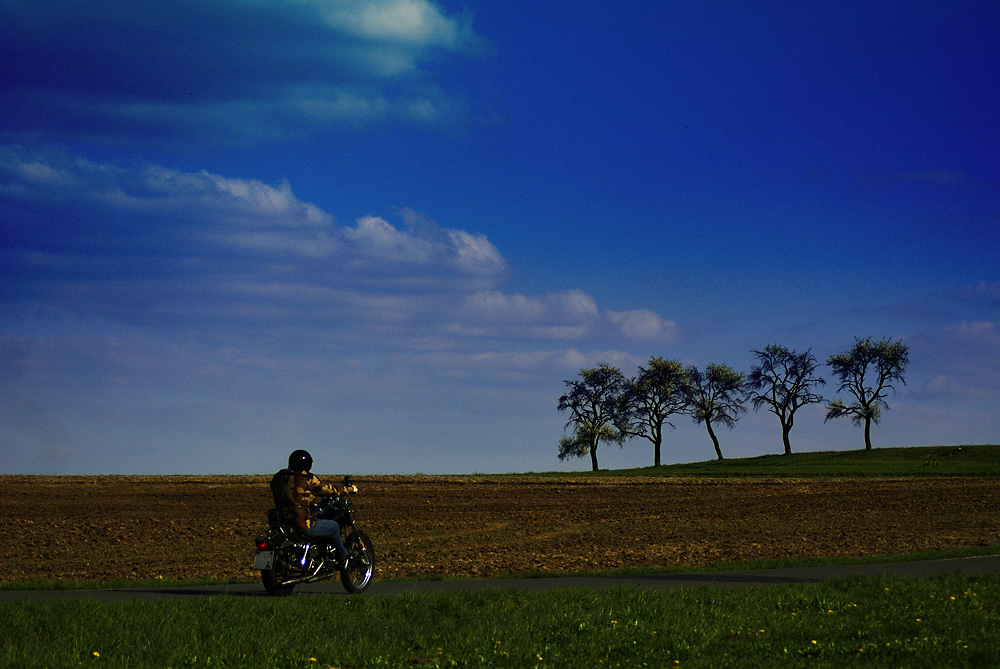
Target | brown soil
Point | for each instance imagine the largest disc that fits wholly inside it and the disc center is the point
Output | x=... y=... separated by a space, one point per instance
x=109 y=527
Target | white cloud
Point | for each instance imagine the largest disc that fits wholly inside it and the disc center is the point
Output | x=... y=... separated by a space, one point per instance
x=556 y=332
x=242 y=202
x=379 y=239
x=157 y=190
x=573 y=305
x=957 y=361
x=563 y=316
x=164 y=247
x=474 y=253
x=42 y=173
x=494 y=306
x=642 y=325
x=973 y=332
x=374 y=241
x=416 y=23
x=252 y=71
x=329 y=104
x=540 y=367
x=315 y=246
x=559 y=316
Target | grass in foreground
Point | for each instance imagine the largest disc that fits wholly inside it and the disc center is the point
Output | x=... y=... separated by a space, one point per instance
x=884 y=622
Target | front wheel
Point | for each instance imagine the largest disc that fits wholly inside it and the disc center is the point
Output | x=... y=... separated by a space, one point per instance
x=358 y=576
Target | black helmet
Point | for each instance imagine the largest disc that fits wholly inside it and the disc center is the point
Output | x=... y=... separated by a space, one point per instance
x=300 y=461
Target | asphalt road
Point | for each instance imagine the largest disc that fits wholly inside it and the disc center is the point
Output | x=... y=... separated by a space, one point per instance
x=722 y=579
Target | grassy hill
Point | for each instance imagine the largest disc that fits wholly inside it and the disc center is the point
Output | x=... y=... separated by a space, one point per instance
x=980 y=460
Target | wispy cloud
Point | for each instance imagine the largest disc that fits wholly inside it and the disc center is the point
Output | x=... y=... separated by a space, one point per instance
x=147 y=295
x=414 y=24
x=959 y=361
x=227 y=70
x=984 y=290
x=159 y=246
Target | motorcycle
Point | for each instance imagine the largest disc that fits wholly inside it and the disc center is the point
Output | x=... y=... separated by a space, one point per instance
x=286 y=557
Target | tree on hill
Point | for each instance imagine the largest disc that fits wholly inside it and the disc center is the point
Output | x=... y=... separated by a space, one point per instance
x=783 y=381
x=648 y=400
x=716 y=396
x=594 y=405
x=867 y=371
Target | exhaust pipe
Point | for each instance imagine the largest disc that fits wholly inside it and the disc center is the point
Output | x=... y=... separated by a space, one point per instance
x=309 y=579
x=313 y=577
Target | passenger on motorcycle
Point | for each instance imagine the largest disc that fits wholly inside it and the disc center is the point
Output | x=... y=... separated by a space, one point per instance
x=295 y=489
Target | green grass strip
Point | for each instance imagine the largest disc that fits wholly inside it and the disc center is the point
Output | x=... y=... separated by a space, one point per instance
x=915 y=461
x=947 y=620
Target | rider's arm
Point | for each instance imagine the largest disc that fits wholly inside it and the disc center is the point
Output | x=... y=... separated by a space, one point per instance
x=330 y=489
x=343 y=490
x=321 y=490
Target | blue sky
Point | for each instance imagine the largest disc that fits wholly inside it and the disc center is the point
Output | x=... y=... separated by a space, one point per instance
x=388 y=230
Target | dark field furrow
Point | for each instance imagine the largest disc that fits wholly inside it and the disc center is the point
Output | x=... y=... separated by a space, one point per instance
x=102 y=528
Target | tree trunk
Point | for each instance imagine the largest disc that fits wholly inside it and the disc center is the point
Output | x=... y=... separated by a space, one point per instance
x=715 y=440
x=784 y=438
x=656 y=453
x=868 y=434
x=593 y=456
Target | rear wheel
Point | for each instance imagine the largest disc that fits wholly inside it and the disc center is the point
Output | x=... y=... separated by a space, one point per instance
x=271 y=578
x=358 y=576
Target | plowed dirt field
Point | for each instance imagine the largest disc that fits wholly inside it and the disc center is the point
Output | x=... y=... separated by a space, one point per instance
x=110 y=527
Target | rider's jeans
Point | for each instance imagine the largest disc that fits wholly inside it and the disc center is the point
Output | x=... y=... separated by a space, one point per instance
x=329 y=529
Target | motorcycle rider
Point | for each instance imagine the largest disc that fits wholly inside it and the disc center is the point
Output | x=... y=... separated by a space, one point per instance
x=295 y=489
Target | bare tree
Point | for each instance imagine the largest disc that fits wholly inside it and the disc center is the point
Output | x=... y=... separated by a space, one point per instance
x=594 y=403
x=716 y=396
x=867 y=372
x=649 y=399
x=783 y=382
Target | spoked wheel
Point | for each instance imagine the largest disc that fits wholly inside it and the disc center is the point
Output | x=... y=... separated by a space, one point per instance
x=358 y=576
x=272 y=580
